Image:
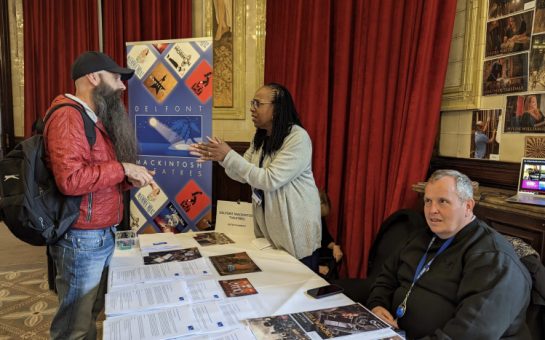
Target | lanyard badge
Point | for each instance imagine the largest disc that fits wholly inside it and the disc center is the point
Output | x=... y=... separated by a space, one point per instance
x=257 y=196
x=420 y=270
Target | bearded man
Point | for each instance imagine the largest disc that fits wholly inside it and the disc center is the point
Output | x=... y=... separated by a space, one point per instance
x=99 y=174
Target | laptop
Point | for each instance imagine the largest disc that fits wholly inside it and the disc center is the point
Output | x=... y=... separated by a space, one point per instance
x=531 y=188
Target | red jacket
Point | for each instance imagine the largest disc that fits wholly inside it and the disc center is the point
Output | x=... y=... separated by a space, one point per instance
x=94 y=174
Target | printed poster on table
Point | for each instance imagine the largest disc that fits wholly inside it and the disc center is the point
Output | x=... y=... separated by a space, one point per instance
x=170 y=102
x=351 y=320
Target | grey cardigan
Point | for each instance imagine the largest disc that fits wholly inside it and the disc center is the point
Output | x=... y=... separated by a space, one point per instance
x=291 y=217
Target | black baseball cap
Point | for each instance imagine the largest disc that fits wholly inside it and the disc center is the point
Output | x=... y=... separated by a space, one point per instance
x=93 y=61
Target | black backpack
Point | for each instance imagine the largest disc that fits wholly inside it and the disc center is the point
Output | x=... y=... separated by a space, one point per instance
x=31 y=205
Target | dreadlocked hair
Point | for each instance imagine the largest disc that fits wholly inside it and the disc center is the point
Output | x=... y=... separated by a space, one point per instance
x=284 y=117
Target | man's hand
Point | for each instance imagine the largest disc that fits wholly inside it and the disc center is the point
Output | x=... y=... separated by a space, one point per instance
x=138 y=175
x=385 y=316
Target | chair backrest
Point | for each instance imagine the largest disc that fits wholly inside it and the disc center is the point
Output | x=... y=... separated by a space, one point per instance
x=535 y=314
x=393 y=234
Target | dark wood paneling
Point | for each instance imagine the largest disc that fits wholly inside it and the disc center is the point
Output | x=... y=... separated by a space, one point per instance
x=223 y=187
x=6 y=99
x=530 y=229
x=488 y=173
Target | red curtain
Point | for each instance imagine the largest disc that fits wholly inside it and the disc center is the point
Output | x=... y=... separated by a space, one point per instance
x=142 y=20
x=367 y=77
x=55 y=33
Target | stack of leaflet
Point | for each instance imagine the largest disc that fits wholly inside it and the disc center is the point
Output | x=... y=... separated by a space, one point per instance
x=159 y=242
x=142 y=298
x=129 y=276
x=181 y=321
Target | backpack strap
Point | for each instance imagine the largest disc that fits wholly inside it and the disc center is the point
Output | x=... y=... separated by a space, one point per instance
x=88 y=124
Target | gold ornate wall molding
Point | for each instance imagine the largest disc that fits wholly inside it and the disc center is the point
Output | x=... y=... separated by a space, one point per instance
x=232 y=62
x=260 y=32
x=463 y=83
x=17 y=64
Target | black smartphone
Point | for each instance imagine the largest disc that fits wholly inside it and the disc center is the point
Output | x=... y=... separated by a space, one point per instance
x=324 y=291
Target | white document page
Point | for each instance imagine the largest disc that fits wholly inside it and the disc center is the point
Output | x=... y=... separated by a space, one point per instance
x=261 y=243
x=239 y=333
x=146 y=297
x=207 y=290
x=128 y=276
x=155 y=273
x=168 y=323
x=194 y=268
x=234 y=218
x=210 y=318
x=156 y=325
x=237 y=309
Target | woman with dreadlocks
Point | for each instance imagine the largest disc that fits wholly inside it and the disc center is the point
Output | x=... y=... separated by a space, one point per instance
x=277 y=166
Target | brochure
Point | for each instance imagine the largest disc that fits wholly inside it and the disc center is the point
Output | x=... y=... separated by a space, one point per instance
x=213 y=238
x=339 y=321
x=351 y=321
x=179 y=255
x=237 y=263
x=237 y=287
x=277 y=327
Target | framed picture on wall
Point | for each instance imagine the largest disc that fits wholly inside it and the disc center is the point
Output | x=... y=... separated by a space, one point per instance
x=509 y=35
x=524 y=114
x=500 y=8
x=484 y=142
x=537 y=64
x=505 y=75
x=539 y=21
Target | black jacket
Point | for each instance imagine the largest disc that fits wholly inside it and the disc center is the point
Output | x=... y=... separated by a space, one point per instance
x=476 y=289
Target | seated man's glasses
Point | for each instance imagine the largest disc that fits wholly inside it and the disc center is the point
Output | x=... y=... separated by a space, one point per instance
x=255 y=104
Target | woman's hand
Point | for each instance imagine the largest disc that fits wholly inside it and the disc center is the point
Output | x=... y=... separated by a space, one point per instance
x=214 y=150
x=337 y=252
x=385 y=316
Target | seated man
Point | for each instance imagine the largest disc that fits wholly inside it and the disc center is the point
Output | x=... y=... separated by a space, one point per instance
x=330 y=252
x=458 y=280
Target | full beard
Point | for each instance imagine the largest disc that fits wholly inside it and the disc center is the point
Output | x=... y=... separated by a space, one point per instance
x=111 y=111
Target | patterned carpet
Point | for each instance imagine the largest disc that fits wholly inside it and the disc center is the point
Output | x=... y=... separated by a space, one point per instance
x=26 y=304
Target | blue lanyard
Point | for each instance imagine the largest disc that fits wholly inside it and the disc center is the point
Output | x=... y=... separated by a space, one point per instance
x=420 y=270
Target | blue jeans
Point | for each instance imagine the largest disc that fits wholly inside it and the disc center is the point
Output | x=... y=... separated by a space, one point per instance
x=81 y=258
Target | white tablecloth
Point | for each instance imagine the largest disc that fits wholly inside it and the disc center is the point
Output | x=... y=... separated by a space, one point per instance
x=281 y=285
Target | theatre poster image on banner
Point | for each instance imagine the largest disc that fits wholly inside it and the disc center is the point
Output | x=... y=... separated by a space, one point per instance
x=524 y=114
x=170 y=102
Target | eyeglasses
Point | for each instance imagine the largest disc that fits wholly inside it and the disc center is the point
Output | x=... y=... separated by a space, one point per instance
x=255 y=104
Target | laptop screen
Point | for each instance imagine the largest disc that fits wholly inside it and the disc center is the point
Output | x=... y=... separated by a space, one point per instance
x=532 y=176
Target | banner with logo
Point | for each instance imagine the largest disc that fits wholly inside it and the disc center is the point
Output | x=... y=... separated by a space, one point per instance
x=170 y=102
